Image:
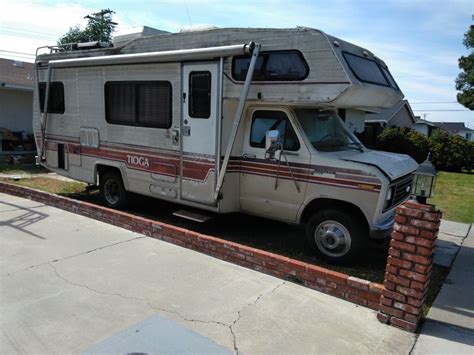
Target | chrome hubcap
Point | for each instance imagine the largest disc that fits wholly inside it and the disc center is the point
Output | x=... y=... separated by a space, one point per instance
x=332 y=238
x=111 y=191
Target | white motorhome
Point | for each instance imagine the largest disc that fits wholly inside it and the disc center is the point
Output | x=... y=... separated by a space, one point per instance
x=227 y=120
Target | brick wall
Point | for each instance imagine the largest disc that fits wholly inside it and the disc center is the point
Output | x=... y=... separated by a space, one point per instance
x=361 y=292
x=409 y=265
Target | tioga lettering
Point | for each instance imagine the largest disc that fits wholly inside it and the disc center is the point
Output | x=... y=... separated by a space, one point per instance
x=138 y=161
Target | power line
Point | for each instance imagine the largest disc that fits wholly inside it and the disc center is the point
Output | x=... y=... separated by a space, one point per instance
x=22 y=53
x=433 y=102
x=187 y=11
x=442 y=110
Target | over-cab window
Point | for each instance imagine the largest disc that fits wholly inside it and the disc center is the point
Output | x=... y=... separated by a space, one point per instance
x=138 y=103
x=55 y=98
x=272 y=66
x=264 y=121
x=199 y=94
x=366 y=70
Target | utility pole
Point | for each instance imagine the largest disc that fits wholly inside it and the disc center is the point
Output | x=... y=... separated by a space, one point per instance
x=98 y=17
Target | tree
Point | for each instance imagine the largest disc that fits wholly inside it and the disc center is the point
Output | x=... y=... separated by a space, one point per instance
x=465 y=79
x=403 y=140
x=99 y=28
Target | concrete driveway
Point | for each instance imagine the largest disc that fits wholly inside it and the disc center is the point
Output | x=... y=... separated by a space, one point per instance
x=70 y=284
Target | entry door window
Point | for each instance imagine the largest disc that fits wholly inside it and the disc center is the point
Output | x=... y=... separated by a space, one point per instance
x=200 y=94
x=264 y=121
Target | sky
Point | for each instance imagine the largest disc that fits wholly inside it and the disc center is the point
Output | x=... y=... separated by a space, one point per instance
x=419 y=40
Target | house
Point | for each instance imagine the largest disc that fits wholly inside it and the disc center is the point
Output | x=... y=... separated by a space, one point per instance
x=457 y=128
x=16 y=107
x=425 y=127
x=400 y=115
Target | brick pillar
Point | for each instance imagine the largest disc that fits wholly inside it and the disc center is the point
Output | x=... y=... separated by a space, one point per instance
x=409 y=264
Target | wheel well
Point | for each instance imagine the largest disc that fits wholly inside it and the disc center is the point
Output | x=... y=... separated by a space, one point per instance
x=325 y=203
x=102 y=169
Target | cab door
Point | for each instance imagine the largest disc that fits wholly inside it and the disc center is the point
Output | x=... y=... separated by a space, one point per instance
x=271 y=186
x=199 y=132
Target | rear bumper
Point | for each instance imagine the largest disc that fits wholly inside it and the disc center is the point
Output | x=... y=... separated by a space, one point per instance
x=383 y=229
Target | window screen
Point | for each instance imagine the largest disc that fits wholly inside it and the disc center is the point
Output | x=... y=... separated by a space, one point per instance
x=55 y=99
x=366 y=70
x=199 y=94
x=263 y=121
x=138 y=103
x=272 y=66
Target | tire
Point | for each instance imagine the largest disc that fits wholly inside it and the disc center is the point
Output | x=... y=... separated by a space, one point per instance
x=336 y=236
x=112 y=190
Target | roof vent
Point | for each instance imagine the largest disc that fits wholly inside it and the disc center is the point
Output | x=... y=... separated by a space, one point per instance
x=198 y=28
x=18 y=64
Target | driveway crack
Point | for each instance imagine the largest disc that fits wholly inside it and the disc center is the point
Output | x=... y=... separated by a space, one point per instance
x=239 y=313
x=160 y=309
x=75 y=255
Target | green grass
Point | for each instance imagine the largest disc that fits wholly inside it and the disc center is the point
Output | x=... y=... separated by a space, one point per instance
x=454 y=196
x=21 y=169
x=50 y=185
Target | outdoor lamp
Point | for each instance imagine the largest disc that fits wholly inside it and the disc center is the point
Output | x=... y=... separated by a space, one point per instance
x=424 y=180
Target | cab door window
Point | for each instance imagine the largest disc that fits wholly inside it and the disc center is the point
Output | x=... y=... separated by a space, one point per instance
x=264 y=121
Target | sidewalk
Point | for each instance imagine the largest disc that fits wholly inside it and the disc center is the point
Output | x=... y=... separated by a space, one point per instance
x=449 y=327
x=70 y=284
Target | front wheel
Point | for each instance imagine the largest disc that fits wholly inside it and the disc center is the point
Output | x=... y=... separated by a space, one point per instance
x=112 y=189
x=336 y=236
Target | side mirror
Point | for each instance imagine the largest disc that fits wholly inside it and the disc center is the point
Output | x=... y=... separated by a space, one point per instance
x=271 y=140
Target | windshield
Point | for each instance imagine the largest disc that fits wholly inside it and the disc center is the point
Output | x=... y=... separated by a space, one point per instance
x=325 y=131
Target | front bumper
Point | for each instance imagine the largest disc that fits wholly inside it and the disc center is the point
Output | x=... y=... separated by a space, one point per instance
x=383 y=229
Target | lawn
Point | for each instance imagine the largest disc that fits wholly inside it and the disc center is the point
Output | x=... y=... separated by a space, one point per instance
x=454 y=196
x=50 y=185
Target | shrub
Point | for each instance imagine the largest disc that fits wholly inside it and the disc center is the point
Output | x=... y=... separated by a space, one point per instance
x=451 y=152
x=403 y=140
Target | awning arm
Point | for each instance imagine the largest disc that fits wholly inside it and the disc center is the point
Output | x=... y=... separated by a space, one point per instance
x=237 y=119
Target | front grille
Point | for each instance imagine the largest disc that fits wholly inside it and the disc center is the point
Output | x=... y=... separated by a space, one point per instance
x=401 y=188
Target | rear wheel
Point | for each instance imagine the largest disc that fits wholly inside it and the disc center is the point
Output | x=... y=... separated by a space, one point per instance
x=112 y=189
x=336 y=236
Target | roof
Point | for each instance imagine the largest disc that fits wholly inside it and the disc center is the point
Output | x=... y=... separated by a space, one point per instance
x=388 y=114
x=16 y=74
x=428 y=123
x=453 y=127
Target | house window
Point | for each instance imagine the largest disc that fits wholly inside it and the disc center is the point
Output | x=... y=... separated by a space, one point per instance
x=366 y=70
x=264 y=121
x=55 y=98
x=199 y=94
x=272 y=66
x=138 y=103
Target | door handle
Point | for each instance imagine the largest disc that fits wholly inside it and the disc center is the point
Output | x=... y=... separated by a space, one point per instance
x=249 y=156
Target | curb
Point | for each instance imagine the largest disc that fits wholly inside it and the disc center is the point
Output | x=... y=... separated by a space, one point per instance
x=352 y=289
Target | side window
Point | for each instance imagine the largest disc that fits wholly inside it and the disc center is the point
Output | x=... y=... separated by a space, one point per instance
x=263 y=121
x=366 y=70
x=199 y=94
x=55 y=99
x=272 y=66
x=138 y=103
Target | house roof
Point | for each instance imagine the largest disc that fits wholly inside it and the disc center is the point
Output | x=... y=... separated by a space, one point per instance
x=428 y=123
x=453 y=127
x=16 y=74
x=388 y=114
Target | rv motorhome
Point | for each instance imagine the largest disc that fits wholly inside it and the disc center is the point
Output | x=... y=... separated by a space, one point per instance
x=254 y=120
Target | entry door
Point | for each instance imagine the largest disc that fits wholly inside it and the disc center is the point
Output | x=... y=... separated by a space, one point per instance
x=199 y=132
